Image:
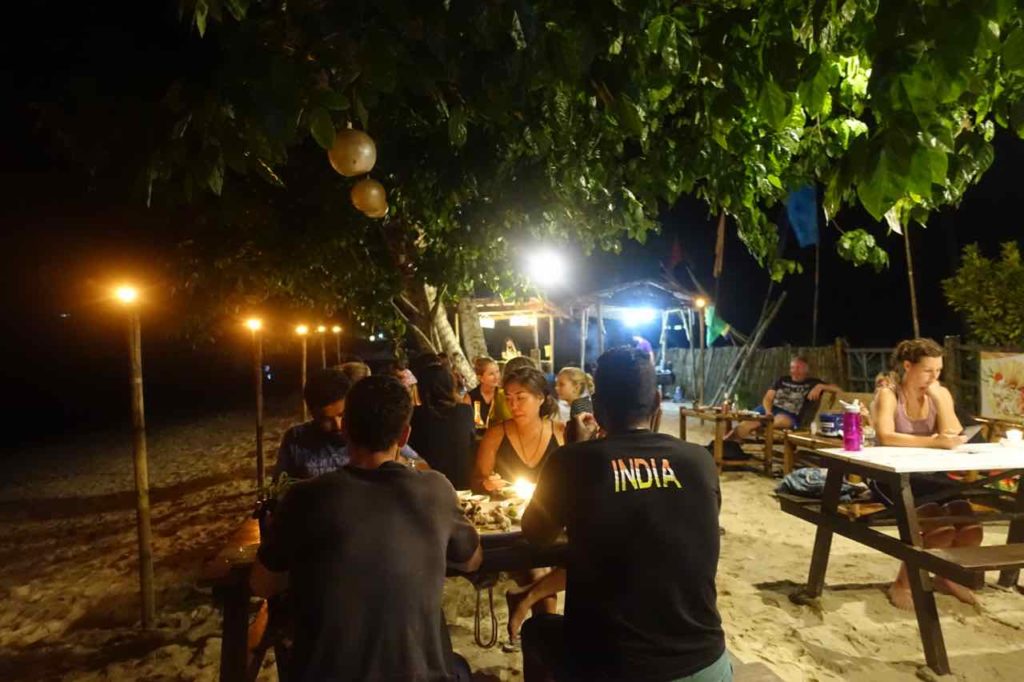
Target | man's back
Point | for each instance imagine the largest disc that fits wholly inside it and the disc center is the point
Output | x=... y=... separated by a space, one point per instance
x=641 y=513
x=366 y=550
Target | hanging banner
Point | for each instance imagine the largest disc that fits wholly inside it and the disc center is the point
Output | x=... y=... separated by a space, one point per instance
x=1002 y=385
x=715 y=326
x=802 y=211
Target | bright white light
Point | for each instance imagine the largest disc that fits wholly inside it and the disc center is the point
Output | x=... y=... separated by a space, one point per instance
x=678 y=327
x=126 y=294
x=523 y=488
x=487 y=322
x=522 y=321
x=336 y=329
x=254 y=323
x=302 y=330
x=634 y=317
x=546 y=268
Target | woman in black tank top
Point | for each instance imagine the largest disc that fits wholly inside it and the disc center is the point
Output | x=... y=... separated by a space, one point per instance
x=518 y=447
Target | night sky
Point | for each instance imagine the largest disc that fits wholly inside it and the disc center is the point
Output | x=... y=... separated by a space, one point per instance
x=65 y=234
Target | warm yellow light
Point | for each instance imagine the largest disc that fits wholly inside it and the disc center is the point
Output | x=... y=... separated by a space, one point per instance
x=254 y=323
x=700 y=301
x=127 y=294
x=321 y=329
x=302 y=330
x=336 y=329
x=524 y=488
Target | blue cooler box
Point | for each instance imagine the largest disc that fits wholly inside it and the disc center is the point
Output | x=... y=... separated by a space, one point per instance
x=830 y=423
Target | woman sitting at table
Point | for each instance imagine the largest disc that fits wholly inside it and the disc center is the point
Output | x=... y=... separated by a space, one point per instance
x=573 y=387
x=911 y=409
x=488 y=378
x=442 y=427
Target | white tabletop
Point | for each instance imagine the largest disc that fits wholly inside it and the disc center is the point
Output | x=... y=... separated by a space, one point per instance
x=974 y=457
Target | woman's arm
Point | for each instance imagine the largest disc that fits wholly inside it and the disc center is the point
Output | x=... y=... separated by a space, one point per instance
x=947 y=422
x=884 y=418
x=486 y=454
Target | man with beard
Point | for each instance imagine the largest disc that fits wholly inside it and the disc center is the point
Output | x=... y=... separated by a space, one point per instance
x=317 y=446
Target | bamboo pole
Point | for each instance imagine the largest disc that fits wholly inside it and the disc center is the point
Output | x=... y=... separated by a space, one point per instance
x=257 y=365
x=600 y=329
x=703 y=368
x=536 y=334
x=664 y=338
x=337 y=348
x=305 y=363
x=141 y=465
x=583 y=338
x=551 y=338
x=323 y=351
x=910 y=279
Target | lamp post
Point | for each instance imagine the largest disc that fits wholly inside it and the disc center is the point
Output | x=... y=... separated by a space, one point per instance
x=255 y=325
x=128 y=296
x=337 y=342
x=701 y=304
x=303 y=332
x=322 y=331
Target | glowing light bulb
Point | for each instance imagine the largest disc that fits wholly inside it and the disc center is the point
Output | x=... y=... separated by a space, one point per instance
x=126 y=294
x=302 y=330
x=524 y=488
x=254 y=323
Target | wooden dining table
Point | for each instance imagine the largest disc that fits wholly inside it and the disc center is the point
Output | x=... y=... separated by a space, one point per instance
x=892 y=468
x=722 y=425
x=227 y=573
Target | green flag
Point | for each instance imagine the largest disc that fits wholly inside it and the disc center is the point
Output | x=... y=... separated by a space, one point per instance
x=714 y=325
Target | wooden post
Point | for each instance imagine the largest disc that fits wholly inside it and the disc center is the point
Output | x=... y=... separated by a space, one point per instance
x=664 y=338
x=257 y=366
x=337 y=348
x=141 y=472
x=323 y=351
x=305 y=362
x=910 y=279
x=551 y=339
x=700 y=383
x=583 y=337
x=536 y=333
x=600 y=328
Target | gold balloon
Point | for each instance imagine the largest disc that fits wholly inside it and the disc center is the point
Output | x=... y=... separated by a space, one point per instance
x=353 y=153
x=369 y=196
x=378 y=214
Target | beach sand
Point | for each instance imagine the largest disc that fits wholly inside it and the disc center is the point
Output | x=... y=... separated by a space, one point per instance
x=69 y=584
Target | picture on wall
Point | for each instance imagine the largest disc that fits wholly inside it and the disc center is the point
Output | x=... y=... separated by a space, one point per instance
x=1002 y=385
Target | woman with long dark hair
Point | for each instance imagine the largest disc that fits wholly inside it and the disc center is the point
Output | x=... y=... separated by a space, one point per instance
x=442 y=426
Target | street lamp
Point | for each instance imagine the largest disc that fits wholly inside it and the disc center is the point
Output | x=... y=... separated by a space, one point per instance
x=546 y=268
x=322 y=331
x=255 y=325
x=701 y=303
x=336 y=329
x=303 y=331
x=128 y=296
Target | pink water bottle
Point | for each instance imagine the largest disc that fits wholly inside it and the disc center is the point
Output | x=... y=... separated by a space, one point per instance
x=852 y=434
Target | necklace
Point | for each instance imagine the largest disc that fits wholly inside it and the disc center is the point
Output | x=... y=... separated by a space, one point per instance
x=536 y=449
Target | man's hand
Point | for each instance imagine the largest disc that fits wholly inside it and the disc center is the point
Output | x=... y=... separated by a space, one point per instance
x=814 y=394
x=581 y=427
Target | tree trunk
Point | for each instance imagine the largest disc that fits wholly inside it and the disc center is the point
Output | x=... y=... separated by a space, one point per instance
x=472 y=333
x=446 y=338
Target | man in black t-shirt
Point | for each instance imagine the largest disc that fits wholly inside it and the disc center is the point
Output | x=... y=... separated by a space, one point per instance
x=785 y=399
x=641 y=513
x=364 y=552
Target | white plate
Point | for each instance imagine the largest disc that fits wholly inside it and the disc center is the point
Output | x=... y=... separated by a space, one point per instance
x=1007 y=443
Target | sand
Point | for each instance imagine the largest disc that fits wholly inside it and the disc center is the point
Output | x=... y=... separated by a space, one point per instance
x=69 y=585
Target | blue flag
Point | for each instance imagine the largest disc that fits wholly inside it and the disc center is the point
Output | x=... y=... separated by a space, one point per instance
x=802 y=211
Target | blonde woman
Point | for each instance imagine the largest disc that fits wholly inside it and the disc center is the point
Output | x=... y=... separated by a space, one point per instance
x=488 y=378
x=912 y=409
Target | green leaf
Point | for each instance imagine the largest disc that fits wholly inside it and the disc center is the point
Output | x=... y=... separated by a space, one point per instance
x=1013 y=50
x=361 y=112
x=773 y=104
x=457 y=130
x=215 y=180
x=335 y=101
x=321 y=126
x=629 y=115
x=201 y=12
x=859 y=247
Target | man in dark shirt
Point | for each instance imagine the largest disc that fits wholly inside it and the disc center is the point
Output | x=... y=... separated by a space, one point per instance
x=318 y=446
x=364 y=550
x=786 y=397
x=641 y=513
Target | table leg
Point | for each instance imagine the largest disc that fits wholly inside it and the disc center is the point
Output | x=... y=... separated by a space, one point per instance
x=921 y=582
x=1010 y=578
x=719 y=443
x=823 y=536
x=234 y=654
x=769 y=447
x=788 y=456
x=682 y=426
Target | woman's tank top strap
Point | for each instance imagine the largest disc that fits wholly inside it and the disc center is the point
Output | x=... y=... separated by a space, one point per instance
x=925 y=426
x=510 y=466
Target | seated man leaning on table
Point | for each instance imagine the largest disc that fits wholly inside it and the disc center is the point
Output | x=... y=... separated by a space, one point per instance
x=363 y=552
x=785 y=399
x=318 y=446
x=640 y=601
x=911 y=409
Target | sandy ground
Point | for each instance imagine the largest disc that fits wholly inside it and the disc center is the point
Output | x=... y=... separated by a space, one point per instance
x=68 y=581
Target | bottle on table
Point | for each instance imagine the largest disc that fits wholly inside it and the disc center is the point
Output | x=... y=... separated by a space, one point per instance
x=853 y=435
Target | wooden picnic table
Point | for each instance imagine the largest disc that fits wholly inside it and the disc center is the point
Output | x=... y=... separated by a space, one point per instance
x=892 y=467
x=228 y=571
x=795 y=441
x=723 y=424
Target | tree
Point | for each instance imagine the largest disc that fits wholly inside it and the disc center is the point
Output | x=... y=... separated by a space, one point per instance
x=989 y=293
x=508 y=121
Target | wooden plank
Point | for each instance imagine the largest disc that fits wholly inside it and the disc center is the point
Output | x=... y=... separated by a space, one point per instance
x=984 y=558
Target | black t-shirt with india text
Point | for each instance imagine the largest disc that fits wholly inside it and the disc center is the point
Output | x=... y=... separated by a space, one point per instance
x=366 y=551
x=641 y=514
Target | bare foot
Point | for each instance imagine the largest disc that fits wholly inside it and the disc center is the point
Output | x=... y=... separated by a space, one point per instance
x=946 y=586
x=900 y=597
x=969 y=536
x=517 y=612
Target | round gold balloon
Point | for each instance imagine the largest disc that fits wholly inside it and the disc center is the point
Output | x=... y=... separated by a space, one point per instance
x=353 y=153
x=378 y=214
x=369 y=196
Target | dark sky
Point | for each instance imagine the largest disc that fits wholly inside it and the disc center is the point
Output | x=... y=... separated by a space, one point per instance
x=65 y=235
